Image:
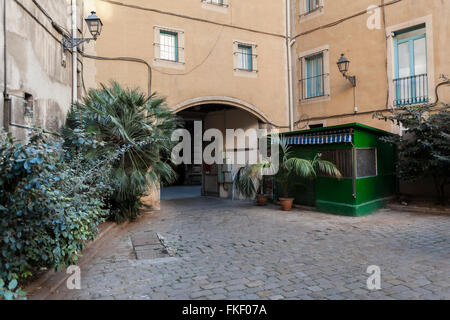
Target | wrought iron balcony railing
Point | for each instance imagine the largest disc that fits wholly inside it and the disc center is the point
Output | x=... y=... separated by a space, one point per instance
x=411 y=90
x=313 y=87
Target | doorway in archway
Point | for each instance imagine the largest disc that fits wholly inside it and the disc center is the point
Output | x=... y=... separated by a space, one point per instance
x=200 y=178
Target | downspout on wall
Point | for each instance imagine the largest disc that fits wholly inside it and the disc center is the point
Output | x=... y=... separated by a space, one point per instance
x=354 y=171
x=74 y=54
x=6 y=99
x=289 y=44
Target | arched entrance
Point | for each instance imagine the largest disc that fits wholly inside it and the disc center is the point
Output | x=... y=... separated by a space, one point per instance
x=213 y=113
x=222 y=100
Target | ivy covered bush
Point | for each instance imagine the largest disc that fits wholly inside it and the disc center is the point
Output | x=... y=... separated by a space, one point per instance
x=51 y=203
x=54 y=192
x=10 y=291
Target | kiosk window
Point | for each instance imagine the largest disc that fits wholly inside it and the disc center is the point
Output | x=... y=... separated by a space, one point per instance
x=367 y=163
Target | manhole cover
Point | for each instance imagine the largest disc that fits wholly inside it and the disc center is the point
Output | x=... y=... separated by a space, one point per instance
x=148 y=247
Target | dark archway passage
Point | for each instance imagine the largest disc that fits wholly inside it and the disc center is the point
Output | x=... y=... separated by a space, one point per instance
x=209 y=180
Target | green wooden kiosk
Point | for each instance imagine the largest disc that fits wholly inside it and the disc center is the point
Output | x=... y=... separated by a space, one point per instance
x=367 y=165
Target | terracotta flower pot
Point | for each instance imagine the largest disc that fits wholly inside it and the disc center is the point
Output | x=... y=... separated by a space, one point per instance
x=287 y=203
x=262 y=199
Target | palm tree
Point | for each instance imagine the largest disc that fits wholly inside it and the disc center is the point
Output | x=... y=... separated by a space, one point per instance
x=291 y=166
x=249 y=178
x=134 y=131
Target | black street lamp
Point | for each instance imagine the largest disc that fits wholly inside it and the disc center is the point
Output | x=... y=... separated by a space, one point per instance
x=343 y=65
x=95 y=26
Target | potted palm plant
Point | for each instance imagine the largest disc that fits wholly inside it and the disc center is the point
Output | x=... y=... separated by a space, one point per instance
x=248 y=181
x=291 y=166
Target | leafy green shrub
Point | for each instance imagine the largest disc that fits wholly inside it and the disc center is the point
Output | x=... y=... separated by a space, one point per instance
x=141 y=127
x=424 y=151
x=10 y=291
x=51 y=203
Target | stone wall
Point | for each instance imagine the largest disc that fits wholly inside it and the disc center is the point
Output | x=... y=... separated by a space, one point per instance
x=39 y=70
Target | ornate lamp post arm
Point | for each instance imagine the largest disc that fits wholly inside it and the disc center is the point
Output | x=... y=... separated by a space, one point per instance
x=95 y=26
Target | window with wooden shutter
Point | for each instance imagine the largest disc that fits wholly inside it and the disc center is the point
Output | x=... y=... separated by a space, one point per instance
x=342 y=158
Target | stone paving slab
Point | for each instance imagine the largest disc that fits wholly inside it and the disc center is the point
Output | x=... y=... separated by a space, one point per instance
x=233 y=250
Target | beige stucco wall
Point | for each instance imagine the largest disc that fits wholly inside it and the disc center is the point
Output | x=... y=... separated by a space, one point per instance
x=369 y=55
x=208 y=71
x=35 y=65
x=208 y=49
x=231 y=119
x=35 y=59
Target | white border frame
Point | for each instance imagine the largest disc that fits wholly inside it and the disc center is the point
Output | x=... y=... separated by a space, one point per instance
x=158 y=62
x=428 y=21
x=245 y=73
x=305 y=16
x=216 y=7
x=326 y=70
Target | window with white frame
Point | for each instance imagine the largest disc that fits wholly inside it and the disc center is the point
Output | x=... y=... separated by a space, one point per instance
x=245 y=58
x=168 y=44
x=216 y=5
x=216 y=2
x=309 y=8
x=315 y=70
x=169 y=47
x=411 y=62
x=312 y=5
x=314 y=81
x=411 y=76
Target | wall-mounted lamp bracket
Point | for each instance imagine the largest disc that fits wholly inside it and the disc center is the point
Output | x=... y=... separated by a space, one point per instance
x=352 y=79
x=70 y=43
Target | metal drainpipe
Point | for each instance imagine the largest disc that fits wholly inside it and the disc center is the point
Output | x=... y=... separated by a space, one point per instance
x=74 y=54
x=289 y=44
x=355 y=171
x=5 y=88
x=6 y=99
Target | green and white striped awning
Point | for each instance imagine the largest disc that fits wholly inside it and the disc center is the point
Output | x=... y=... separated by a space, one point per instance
x=320 y=138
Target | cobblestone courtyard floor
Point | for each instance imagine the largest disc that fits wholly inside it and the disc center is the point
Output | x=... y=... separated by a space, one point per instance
x=234 y=250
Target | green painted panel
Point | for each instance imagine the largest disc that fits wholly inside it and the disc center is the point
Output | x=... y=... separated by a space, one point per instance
x=325 y=189
x=305 y=193
x=336 y=196
x=333 y=190
x=384 y=184
x=351 y=210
